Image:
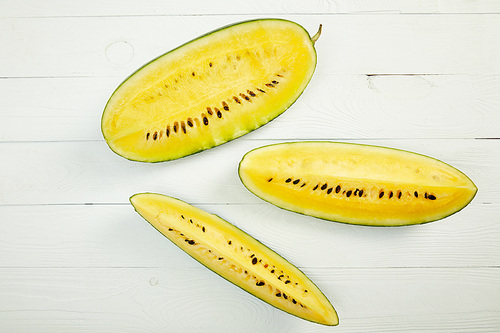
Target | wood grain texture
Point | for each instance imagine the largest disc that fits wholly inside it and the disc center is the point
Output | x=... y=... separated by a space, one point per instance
x=332 y=106
x=89 y=172
x=369 y=44
x=74 y=256
x=56 y=8
x=94 y=236
x=159 y=300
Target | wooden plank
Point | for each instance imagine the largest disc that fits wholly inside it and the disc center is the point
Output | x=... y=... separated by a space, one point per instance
x=350 y=44
x=338 y=106
x=116 y=236
x=194 y=299
x=56 y=8
x=89 y=172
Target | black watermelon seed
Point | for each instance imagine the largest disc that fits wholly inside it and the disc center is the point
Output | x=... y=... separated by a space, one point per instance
x=251 y=93
x=303 y=185
x=399 y=194
x=432 y=197
x=225 y=106
x=296 y=181
x=190 y=242
x=147 y=136
x=210 y=64
x=294 y=301
x=220 y=258
x=288 y=180
x=272 y=270
x=183 y=126
x=263 y=91
x=285 y=296
x=254 y=261
x=203 y=229
x=270 y=179
x=270 y=85
x=391 y=194
x=315 y=187
x=360 y=193
x=245 y=97
x=337 y=189
x=155 y=135
x=275 y=82
x=176 y=125
x=356 y=192
x=381 y=194
x=348 y=194
x=236 y=99
x=278 y=295
x=416 y=194
x=324 y=186
x=229 y=242
x=205 y=121
x=170 y=229
x=167 y=132
x=190 y=122
x=426 y=195
x=209 y=110
x=193 y=73
x=329 y=190
x=287 y=281
x=219 y=114
x=260 y=283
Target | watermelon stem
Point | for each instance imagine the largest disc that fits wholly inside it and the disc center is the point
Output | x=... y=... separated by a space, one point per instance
x=316 y=36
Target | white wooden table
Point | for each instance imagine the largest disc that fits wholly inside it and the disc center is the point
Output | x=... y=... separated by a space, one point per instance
x=422 y=76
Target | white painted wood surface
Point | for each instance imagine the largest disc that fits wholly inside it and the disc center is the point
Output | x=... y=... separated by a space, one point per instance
x=74 y=256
